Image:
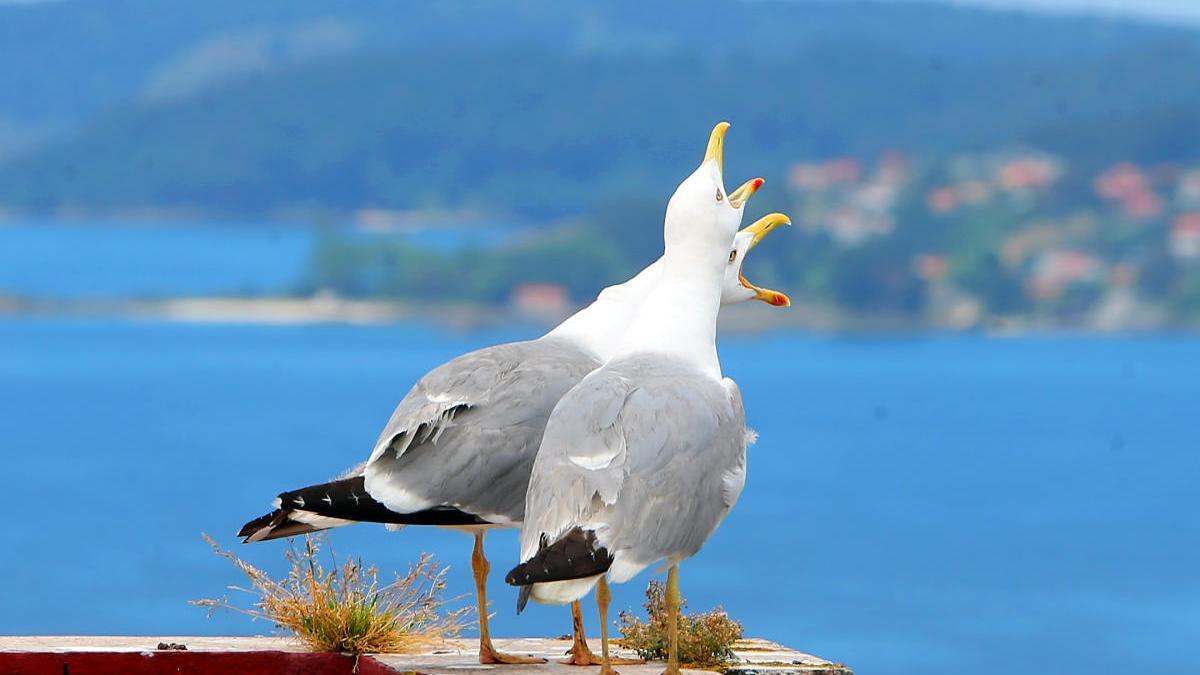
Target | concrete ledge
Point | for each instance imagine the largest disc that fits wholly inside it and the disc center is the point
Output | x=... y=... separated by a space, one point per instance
x=110 y=655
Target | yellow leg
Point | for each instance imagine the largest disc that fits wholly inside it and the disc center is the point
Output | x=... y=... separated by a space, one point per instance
x=673 y=621
x=602 y=599
x=581 y=654
x=488 y=653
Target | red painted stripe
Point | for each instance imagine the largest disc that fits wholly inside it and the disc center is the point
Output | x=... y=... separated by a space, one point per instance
x=186 y=663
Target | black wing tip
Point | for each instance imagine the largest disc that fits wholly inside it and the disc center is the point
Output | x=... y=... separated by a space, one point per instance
x=277 y=524
x=523 y=598
x=517 y=576
x=345 y=500
x=249 y=529
x=577 y=555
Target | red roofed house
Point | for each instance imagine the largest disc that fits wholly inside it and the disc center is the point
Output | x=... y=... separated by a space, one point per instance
x=541 y=298
x=1185 y=236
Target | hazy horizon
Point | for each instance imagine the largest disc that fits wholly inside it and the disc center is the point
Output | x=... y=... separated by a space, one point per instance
x=1154 y=10
x=1157 y=10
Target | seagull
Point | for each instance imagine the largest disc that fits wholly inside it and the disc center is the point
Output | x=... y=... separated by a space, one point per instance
x=458 y=450
x=642 y=460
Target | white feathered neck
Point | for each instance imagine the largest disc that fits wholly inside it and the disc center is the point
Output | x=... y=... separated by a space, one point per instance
x=600 y=327
x=678 y=317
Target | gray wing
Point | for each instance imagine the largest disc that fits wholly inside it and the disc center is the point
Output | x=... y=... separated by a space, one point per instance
x=466 y=434
x=648 y=453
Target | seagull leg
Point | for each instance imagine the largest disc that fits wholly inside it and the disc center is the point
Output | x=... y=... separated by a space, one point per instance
x=602 y=599
x=673 y=621
x=581 y=654
x=487 y=653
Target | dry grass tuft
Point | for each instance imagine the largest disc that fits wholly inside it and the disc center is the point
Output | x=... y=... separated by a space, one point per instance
x=705 y=639
x=345 y=609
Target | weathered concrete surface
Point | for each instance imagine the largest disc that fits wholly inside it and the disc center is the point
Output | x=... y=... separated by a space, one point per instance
x=755 y=656
x=458 y=656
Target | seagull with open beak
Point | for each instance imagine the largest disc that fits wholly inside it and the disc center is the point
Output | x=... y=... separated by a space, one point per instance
x=736 y=286
x=643 y=458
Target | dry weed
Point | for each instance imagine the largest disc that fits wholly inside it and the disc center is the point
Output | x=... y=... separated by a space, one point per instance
x=345 y=609
x=705 y=639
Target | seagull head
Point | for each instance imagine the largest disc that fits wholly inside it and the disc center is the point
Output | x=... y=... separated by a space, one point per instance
x=702 y=217
x=736 y=287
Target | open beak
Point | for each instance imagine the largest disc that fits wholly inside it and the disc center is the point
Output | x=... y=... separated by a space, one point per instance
x=760 y=229
x=739 y=197
x=716 y=145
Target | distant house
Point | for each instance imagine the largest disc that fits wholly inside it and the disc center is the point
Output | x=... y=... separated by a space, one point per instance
x=931 y=266
x=541 y=299
x=894 y=168
x=1187 y=189
x=942 y=199
x=1119 y=181
x=1053 y=271
x=1185 y=236
x=1029 y=172
x=1142 y=205
x=1131 y=188
x=382 y=220
x=824 y=175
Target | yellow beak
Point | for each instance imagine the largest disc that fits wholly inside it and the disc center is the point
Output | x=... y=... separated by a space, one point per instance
x=760 y=229
x=716 y=145
x=763 y=226
x=739 y=197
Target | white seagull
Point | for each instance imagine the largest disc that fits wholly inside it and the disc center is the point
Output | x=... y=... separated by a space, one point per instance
x=458 y=450
x=642 y=459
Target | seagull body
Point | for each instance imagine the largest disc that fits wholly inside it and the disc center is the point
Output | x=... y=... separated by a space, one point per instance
x=643 y=458
x=640 y=462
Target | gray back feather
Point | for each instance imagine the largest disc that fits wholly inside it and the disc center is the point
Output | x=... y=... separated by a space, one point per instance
x=466 y=434
x=648 y=452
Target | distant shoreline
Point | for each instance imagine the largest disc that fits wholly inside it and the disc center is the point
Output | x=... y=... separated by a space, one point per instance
x=366 y=220
x=746 y=318
x=262 y=310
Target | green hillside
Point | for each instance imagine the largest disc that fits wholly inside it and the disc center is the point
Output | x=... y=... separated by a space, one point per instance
x=525 y=132
x=70 y=59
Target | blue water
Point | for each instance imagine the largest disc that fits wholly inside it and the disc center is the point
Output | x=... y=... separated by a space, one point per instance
x=117 y=260
x=939 y=504
x=103 y=260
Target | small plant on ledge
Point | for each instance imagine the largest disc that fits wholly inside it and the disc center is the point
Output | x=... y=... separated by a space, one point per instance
x=345 y=609
x=705 y=639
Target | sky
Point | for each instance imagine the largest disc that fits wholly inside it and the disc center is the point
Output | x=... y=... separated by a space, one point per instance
x=1170 y=11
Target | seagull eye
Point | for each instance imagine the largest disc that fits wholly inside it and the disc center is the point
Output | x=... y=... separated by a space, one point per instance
x=720 y=196
x=733 y=255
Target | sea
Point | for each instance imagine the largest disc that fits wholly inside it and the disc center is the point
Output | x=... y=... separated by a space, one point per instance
x=916 y=503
